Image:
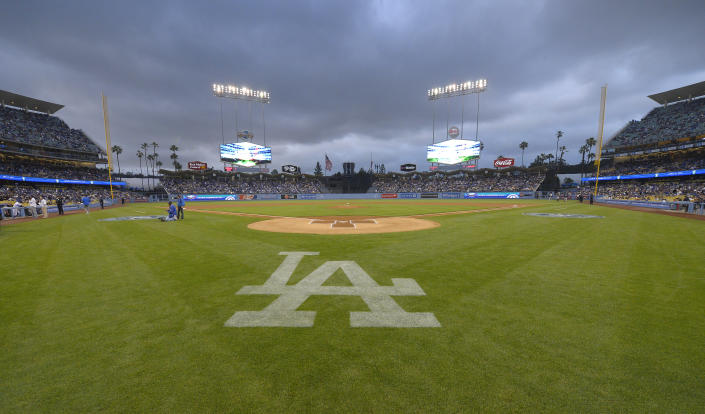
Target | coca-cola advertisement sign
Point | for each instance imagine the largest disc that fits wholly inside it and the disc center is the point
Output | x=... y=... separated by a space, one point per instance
x=503 y=162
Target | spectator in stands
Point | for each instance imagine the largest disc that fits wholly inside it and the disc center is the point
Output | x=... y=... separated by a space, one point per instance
x=42 y=130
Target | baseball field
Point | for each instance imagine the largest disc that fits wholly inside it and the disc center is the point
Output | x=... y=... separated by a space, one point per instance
x=487 y=307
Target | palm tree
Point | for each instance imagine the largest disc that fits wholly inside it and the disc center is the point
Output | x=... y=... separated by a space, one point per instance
x=144 y=147
x=559 y=134
x=140 y=154
x=563 y=150
x=150 y=159
x=173 y=155
x=156 y=157
x=590 y=142
x=117 y=150
x=159 y=166
x=523 y=145
x=155 y=160
x=549 y=157
x=583 y=150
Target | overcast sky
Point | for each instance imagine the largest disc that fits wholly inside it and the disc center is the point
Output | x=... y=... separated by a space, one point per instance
x=349 y=78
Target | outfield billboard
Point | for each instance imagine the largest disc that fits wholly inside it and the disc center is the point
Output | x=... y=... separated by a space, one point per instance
x=453 y=151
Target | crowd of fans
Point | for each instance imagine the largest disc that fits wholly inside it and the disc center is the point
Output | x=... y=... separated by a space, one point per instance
x=43 y=130
x=653 y=166
x=471 y=183
x=682 y=190
x=299 y=185
x=52 y=170
x=71 y=195
x=665 y=123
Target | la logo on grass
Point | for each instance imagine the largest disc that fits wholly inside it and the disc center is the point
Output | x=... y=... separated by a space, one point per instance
x=384 y=311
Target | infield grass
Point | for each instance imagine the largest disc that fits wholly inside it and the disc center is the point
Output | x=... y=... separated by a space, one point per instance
x=537 y=314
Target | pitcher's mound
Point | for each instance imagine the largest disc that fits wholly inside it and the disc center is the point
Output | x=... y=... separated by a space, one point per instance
x=343 y=225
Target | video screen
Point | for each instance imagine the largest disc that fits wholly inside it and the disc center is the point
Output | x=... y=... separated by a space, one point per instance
x=453 y=151
x=246 y=154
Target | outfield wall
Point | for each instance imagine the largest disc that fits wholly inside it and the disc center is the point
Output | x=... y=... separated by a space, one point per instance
x=361 y=196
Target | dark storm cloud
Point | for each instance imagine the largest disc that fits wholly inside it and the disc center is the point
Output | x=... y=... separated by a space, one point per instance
x=349 y=78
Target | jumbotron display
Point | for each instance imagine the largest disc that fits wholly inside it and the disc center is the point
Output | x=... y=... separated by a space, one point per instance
x=453 y=151
x=245 y=154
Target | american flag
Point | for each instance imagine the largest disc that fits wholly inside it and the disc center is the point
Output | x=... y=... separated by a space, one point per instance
x=329 y=164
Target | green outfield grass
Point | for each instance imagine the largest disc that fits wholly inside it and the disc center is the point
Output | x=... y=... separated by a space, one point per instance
x=382 y=208
x=537 y=314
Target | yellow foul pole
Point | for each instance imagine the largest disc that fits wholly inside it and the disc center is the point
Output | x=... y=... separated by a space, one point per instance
x=600 y=130
x=107 y=143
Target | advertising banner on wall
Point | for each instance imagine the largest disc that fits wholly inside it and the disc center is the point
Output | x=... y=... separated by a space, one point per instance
x=389 y=195
x=451 y=195
x=291 y=169
x=211 y=197
x=429 y=195
x=408 y=195
x=492 y=195
x=309 y=196
x=503 y=162
x=408 y=167
x=197 y=165
x=289 y=196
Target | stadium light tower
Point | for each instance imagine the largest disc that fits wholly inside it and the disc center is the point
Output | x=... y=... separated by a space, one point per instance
x=244 y=93
x=453 y=90
x=221 y=90
x=458 y=89
x=240 y=92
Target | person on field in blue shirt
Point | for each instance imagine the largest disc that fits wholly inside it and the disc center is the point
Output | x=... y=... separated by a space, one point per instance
x=172 y=213
x=181 y=203
x=86 y=203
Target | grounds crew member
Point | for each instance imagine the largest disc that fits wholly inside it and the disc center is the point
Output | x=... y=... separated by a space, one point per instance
x=181 y=203
x=172 y=213
x=86 y=203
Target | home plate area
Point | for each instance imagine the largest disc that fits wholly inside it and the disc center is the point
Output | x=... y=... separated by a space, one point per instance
x=342 y=225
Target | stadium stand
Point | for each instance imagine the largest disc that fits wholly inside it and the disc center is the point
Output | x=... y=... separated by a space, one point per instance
x=487 y=181
x=35 y=145
x=672 y=190
x=25 y=166
x=242 y=184
x=73 y=194
x=666 y=123
x=669 y=139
